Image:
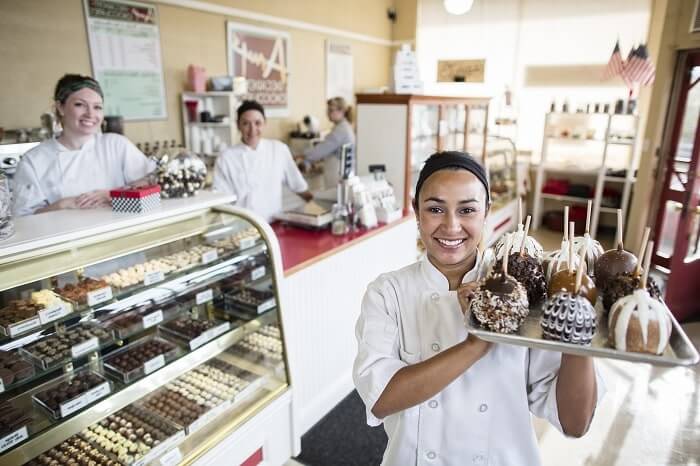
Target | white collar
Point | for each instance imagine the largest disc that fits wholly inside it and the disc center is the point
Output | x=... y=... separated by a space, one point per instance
x=437 y=280
x=90 y=143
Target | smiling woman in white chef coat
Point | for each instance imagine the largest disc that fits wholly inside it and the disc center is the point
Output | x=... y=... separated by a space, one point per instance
x=256 y=169
x=77 y=169
x=446 y=397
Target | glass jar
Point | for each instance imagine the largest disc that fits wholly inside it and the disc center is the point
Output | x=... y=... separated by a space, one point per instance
x=7 y=227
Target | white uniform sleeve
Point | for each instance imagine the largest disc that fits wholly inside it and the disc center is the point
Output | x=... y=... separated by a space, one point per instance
x=292 y=176
x=543 y=373
x=135 y=165
x=377 y=333
x=328 y=146
x=27 y=193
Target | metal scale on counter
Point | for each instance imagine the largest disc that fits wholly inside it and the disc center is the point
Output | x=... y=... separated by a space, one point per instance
x=326 y=211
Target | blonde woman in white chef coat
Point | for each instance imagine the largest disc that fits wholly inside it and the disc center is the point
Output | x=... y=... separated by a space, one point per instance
x=446 y=397
x=256 y=169
x=77 y=169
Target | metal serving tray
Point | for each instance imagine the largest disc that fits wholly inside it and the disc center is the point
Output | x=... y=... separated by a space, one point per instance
x=680 y=350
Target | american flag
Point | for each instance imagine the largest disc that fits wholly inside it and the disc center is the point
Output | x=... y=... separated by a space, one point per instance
x=639 y=67
x=616 y=66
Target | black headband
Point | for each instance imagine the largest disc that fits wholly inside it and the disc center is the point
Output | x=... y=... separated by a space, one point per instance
x=452 y=159
x=66 y=87
x=249 y=105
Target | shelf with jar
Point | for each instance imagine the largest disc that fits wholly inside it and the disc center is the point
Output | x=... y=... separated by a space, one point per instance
x=586 y=156
x=209 y=121
x=184 y=348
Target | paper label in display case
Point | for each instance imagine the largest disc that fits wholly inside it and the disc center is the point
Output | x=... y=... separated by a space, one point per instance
x=153 y=277
x=258 y=273
x=54 y=312
x=204 y=296
x=154 y=318
x=24 y=326
x=171 y=458
x=88 y=346
x=85 y=399
x=10 y=440
x=99 y=296
x=209 y=335
x=209 y=256
x=154 y=364
x=267 y=305
x=247 y=243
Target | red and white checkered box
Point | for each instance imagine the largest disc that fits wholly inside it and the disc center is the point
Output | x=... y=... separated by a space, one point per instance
x=135 y=200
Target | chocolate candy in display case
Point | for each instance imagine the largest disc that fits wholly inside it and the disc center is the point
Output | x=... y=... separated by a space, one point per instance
x=72 y=392
x=182 y=176
x=140 y=358
x=11 y=419
x=13 y=368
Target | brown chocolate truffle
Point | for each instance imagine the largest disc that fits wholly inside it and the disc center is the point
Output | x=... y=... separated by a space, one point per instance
x=500 y=303
x=625 y=284
x=528 y=271
x=566 y=281
x=569 y=318
x=639 y=323
x=611 y=264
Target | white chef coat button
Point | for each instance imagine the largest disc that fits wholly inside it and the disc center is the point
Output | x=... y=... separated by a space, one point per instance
x=435 y=347
x=483 y=408
x=431 y=455
x=478 y=459
x=433 y=404
x=435 y=297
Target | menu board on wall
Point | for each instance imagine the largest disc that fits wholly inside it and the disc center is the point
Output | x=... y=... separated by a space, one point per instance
x=339 y=71
x=125 y=53
x=261 y=56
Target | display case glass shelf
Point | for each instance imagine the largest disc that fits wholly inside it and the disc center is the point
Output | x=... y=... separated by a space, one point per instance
x=118 y=348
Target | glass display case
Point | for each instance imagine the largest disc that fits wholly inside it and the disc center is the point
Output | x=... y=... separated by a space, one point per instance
x=501 y=165
x=118 y=347
x=400 y=131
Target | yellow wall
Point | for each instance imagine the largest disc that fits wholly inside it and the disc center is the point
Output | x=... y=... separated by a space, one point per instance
x=41 y=40
x=668 y=32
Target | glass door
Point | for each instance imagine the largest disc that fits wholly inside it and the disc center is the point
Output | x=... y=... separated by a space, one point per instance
x=677 y=229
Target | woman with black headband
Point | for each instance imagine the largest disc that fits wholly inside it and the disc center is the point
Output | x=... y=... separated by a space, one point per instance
x=77 y=169
x=446 y=397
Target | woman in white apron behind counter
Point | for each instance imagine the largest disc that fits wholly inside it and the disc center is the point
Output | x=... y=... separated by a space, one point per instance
x=328 y=150
x=445 y=397
x=77 y=169
x=256 y=169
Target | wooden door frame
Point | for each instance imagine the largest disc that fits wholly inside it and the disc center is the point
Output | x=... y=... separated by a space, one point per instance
x=667 y=151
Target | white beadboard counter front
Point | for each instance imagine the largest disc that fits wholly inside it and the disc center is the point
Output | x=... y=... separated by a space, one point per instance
x=324 y=281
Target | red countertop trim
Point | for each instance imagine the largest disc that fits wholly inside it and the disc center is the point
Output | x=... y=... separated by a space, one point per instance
x=302 y=248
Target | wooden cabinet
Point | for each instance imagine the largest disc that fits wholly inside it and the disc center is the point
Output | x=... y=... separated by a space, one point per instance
x=401 y=131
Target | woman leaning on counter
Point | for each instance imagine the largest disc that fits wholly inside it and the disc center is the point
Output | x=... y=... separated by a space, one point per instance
x=256 y=169
x=77 y=169
x=445 y=396
x=328 y=150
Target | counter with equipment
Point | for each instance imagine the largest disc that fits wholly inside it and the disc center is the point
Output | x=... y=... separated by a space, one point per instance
x=151 y=337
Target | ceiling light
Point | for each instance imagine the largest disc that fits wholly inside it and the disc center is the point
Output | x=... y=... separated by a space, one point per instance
x=458 y=7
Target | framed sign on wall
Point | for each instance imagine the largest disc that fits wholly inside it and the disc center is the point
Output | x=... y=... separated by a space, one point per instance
x=261 y=56
x=124 y=41
x=461 y=71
